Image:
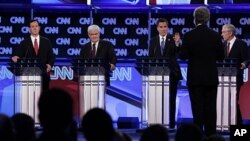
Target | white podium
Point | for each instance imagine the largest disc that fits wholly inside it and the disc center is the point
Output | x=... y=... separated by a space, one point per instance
x=226 y=96
x=92 y=84
x=155 y=91
x=27 y=87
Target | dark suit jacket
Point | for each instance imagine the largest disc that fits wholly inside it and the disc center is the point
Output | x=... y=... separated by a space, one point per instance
x=45 y=52
x=202 y=47
x=105 y=50
x=239 y=51
x=170 y=52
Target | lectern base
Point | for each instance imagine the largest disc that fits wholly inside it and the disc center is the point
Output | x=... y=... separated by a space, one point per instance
x=155 y=98
x=27 y=93
x=92 y=90
x=226 y=103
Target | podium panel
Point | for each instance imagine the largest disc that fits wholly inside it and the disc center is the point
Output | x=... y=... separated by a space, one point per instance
x=91 y=73
x=27 y=86
x=92 y=92
x=155 y=99
x=226 y=95
x=226 y=103
x=155 y=91
x=28 y=90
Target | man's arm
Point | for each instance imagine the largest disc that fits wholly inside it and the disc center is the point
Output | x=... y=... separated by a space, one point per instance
x=112 y=57
x=50 y=57
x=244 y=55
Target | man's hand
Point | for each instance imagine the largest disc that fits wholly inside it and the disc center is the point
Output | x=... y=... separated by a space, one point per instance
x=243 y=66
x=177 y=39
x=48 y=68
x=14 y=58
x=112 y=67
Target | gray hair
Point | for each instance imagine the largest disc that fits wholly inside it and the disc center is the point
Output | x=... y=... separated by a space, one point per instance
x=93 y=27
x=201 y=15
x=230 y=27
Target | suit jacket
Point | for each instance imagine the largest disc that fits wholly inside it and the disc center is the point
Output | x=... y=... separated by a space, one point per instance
x=45 y=52
x=202 y=47
x=238 y=51
x=170 y=52
x=105 y=50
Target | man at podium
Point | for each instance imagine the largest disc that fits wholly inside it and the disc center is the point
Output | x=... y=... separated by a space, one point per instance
x=166 y=46
x=100 y=49
x=36 y=47
x=99 y=60
x=236 y=49
x=34 y=59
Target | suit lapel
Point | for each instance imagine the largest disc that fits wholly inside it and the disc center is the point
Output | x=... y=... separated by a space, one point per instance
x=99 y=48
x=32 y=50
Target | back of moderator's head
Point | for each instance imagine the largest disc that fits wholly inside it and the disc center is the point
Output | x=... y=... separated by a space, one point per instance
x=97 y=125
x=201 y=15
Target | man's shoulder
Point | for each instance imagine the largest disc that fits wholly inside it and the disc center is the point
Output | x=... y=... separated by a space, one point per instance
x=154 y=38
x=105 y=42
x=44 y=38
x=241 y=42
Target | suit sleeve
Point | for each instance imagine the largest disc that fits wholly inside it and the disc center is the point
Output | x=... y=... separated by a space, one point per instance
x=220 y=49
x=183 y=54
x=244 y=53
x=151 y=48
x=50 y=55
x=20 y=50
x=111 y=55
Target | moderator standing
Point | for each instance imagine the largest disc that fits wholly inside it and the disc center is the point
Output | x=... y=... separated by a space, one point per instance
x=202 y=47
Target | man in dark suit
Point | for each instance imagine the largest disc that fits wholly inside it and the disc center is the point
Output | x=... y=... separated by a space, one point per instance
x=237 y=49
x=101 y=49
x=168 y=51
x=202 y=47
x=39 y=47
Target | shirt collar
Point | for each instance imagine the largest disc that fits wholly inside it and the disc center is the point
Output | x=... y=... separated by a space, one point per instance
x=96 y=44
x=33 y=38
x=232 y=41
x=163 y=37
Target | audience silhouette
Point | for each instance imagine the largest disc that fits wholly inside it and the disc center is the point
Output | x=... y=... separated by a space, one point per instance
x=188 y=132
x=156 y=132
x=24 y=127
x=6 y=128
x=97 y=125
x=56 y=116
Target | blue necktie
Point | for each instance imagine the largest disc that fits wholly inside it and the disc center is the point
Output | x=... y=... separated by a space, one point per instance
x=162 y=45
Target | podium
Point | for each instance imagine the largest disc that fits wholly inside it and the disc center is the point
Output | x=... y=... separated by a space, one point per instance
x=27 y=86
x=155 y=90
x=226 y=96
x=91 y=74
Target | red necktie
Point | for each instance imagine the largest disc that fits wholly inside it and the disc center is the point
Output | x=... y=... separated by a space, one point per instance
x=93 y=51
x=36 y=46
x=152 y=2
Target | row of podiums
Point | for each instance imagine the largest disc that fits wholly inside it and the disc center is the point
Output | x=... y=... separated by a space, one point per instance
x=155 y=89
